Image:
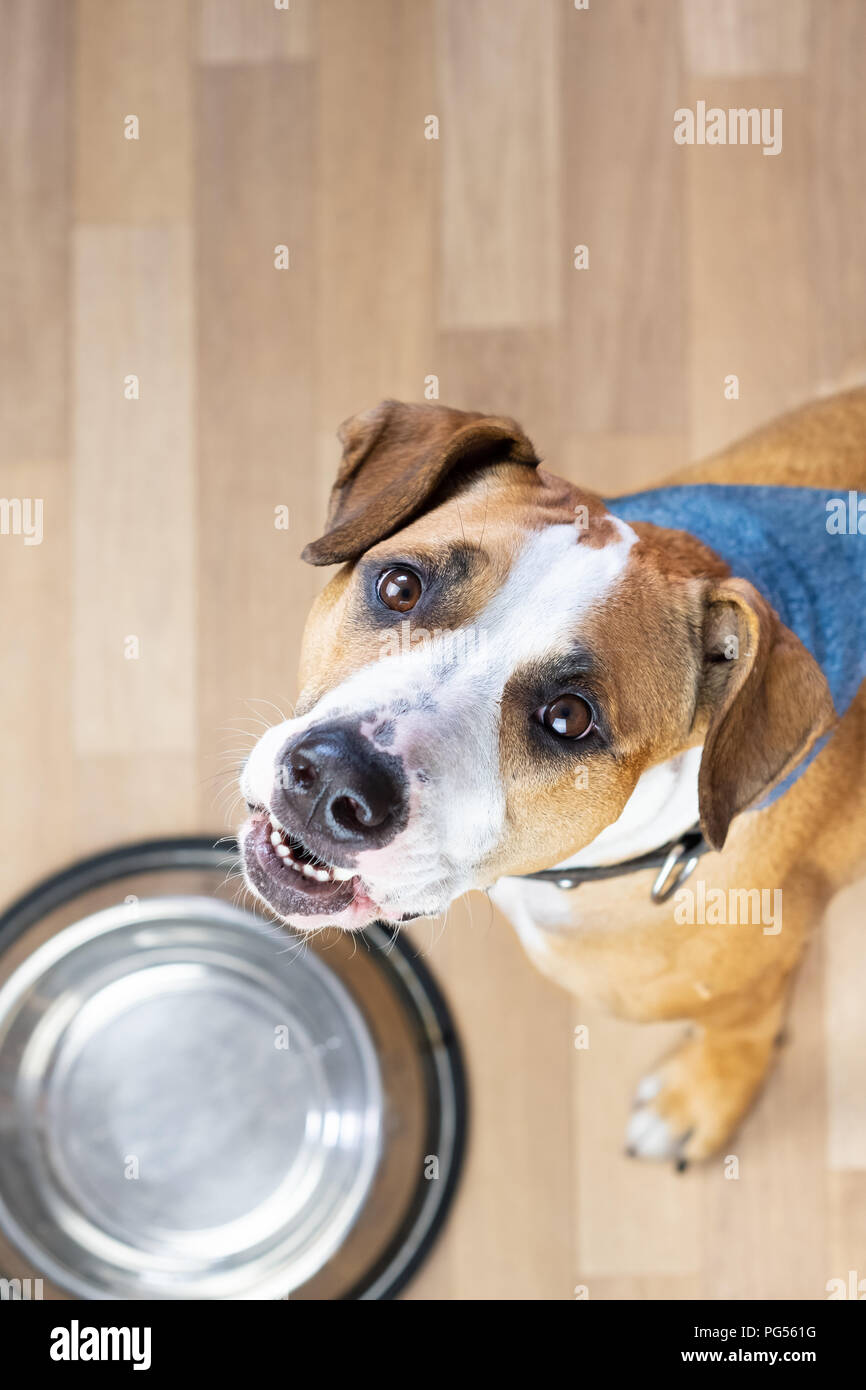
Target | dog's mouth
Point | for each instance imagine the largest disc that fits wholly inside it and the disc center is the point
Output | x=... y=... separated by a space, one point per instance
x=292 y=879
x=294 y=855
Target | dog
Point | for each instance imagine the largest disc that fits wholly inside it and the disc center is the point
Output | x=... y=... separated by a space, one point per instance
x=658 y=699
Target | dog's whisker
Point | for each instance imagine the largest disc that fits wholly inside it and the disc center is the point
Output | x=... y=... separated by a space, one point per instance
x=259 y=701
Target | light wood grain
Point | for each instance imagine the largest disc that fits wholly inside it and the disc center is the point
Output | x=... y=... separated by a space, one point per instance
x=633 y=1219
x=837 y=203
x=741 y=38
x=847 y=1199
x=499 y=146
x=506 y=371
x=36 y=685
x=625 y=313
x=377 y=180
x=256 y=441
x=133 y=564
x=132 y=59
x=614 y=463
x=255 y=31
x=35 y=99
x=503 y=1242
x=846 y=1054
x=748 y=263
x=766 y=1231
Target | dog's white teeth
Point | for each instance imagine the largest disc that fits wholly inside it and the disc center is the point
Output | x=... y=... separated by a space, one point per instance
x=284 y=850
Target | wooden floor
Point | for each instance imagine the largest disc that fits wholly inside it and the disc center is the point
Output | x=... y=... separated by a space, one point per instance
x=413 y=258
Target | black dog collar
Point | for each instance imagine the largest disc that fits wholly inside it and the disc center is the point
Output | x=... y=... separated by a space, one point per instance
x=676 y=860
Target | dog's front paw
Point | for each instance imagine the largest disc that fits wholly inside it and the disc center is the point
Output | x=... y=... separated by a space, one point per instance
x=650 y=1133
x=691 y=1104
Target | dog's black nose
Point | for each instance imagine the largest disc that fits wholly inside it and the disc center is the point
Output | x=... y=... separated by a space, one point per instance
x=337 y=786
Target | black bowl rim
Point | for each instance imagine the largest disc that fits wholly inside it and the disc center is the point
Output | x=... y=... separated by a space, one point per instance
x=394 y=1268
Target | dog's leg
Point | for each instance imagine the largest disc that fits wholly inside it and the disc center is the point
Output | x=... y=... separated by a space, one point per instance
x=693 y=1101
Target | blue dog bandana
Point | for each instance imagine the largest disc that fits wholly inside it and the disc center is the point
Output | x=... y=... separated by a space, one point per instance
x=800 y=547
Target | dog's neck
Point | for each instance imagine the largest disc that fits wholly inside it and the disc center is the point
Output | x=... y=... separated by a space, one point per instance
x=662 y=806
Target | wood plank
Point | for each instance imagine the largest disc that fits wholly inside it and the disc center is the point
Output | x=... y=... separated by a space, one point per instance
x=255 y=31
x=837 y=202
x=749 y=268
x=510 y=1236
x=650 y=1287
x=129 y=796
x=35 y=126
x=846 y=1258
x=633 y=1218
x=133 y=550
x=35 y=623
x=133 y=60
x=256 y=352
x=617 y=463
x=625 y=333
x=499 y=145
x=507 y=371
x=766 y=1232
x=377 y=179
x=846 y=1055
x=744 y=38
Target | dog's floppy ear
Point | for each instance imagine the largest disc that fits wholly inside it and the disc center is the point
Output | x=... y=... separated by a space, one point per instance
x=768 y=700
x=394 y=458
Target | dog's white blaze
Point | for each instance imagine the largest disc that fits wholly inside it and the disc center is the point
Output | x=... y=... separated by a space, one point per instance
x=442 y=716
x=554 y=583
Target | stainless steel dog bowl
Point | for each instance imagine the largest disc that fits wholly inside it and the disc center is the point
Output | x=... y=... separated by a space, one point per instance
x=197 y=1104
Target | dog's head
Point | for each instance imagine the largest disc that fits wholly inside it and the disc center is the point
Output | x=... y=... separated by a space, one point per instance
x=493 y=668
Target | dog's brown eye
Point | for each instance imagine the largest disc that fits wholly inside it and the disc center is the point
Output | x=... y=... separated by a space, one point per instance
x=568 y=716
x=399 y=589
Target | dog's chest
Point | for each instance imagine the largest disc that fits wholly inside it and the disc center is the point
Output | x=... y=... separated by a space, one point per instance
x=574 y=938
x=609 y=944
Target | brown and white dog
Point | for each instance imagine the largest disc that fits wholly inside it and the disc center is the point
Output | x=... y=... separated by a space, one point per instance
x=488 y=690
